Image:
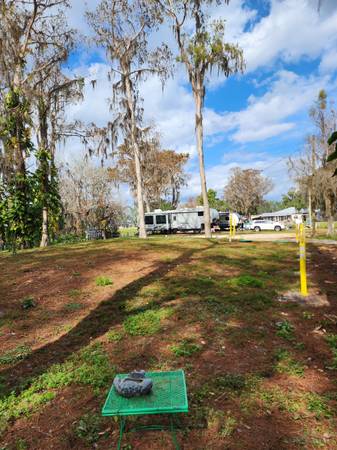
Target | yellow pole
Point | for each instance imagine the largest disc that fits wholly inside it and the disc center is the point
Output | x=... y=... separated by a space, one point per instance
x=233 y=226
x=303 y=270
x=230 y=227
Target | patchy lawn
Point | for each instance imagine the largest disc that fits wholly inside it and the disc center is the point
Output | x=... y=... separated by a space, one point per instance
x=261 y=374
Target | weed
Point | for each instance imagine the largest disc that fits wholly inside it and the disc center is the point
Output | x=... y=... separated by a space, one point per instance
x=88 y=428
x=14 y=355
x=73 y=306
x=114 y=336
x=286 y=364
x=185 y=348
x=285 y=330
x=28 y=302
x=318 y=405
x=229 y=426
x=21 y=444
x=332 y=342
x=74 y=293
x=103 y=281
x=245 y=280
x=231 y=381
x=76 y=274
x=147 y=322
x=307 y=315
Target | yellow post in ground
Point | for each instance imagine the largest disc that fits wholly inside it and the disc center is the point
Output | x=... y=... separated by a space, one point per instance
x=303 y=263
x=230 y=227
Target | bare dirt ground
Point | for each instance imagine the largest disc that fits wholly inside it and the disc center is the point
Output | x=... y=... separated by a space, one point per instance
x=261 y=374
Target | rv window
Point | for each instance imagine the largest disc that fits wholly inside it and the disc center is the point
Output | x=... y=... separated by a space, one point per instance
x=160 y=219
x=200 y=213
x=148 y=220
x=174 y=217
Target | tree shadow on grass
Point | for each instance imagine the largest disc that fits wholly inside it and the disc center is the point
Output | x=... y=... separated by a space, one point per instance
x=107 y=314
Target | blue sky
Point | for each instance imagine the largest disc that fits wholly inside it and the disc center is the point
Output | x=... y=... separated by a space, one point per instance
x=254 y=120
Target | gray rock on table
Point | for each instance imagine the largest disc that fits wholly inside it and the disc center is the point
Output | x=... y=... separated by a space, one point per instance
x=134 y=385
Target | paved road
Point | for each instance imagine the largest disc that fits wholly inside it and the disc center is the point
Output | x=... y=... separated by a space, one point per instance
x=270 y=237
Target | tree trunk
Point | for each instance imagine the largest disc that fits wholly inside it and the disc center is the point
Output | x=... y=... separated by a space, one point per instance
x=147 y=203
x=44 y=237
x=198 y=95
x=328 y=211
x=140 y=203
x=44 y=168
x=311 y=214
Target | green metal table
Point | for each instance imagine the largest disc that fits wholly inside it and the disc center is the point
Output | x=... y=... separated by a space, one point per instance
x=168 y=396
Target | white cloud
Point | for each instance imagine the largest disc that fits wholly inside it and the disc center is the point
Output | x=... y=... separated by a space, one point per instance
x=271 y=166
x=266 y=116
x=291 y=31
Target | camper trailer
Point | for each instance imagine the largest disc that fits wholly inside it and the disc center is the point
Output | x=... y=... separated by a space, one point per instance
x=172 y=221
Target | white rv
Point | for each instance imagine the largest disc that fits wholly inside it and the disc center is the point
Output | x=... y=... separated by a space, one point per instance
x=172 y=221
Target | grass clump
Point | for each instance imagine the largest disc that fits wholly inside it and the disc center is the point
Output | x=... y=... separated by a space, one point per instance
x=286 y=364
x=73 y=306
x=114 y=336
x=231 y=381
x=332 y=342
x=218 y=422
x=245 y=280
x=319 y=406
x=285 y=330
x=28 y=302
x=147 y=322
x=88 y=428
x=103 y=281
x=185 y=348
x=16 y=354
x=74 y=293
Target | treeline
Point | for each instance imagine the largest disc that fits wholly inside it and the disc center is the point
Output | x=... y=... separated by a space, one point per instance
x=35 y=92
x=313 y=170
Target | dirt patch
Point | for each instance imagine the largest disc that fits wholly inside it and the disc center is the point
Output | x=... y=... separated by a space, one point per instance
x=252 y=383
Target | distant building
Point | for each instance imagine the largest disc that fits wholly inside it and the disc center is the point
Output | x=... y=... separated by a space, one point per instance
x=284 y=215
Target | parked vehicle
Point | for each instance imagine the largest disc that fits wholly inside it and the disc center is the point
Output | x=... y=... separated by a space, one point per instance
x=223 y=222
x=172 y=221
x=262 y=225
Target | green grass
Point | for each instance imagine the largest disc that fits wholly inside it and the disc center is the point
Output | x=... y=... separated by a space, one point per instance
x=285 y=363
x=332 y=342
x=74 y=293
x=73 y=306
x=103 y=281
x=90 y=367
x=147 y=322
x=245 y=280
x=28 y=302
x=14 y=355
x=89 y=428
x=114 y=336
x=285 y=330
x=185 y=348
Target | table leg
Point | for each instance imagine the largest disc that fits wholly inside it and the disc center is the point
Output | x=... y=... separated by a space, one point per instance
x=173 y=433
x=121 y=432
